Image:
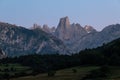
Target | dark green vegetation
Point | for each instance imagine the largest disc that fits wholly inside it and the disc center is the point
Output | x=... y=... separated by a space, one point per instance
x=105 y=56
x=83 y=73
x=64 y=74
x=8 y=71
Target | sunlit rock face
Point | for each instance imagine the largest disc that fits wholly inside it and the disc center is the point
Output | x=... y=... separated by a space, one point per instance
x=67 y=32
x=89 y=29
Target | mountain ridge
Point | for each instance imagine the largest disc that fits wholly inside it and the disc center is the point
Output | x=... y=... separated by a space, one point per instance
x=16 y=40
x=80 y=38
x=67 y=38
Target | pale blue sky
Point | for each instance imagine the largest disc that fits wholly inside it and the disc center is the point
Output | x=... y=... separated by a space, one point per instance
x=97 y=13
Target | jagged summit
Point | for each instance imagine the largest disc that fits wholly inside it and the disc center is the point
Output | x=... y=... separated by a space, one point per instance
x=64 y=22
x=77 y=38
x=16 y=41
x=35 y=26
x=66 y=31
x=66 y=36
x=44 y=28
x=115 y=27
x=89 y=29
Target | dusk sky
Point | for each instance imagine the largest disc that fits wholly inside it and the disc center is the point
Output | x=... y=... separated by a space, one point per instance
x=97 y=13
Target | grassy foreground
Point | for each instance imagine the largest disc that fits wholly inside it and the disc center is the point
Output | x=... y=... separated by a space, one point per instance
x=66 y=74
x=75 y=73
x=7 y=70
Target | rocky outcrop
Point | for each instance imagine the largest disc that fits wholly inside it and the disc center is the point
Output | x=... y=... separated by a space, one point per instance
x=2 y=54
x=52 y=29
x=89 y=29
x=48 y=29
x=16 y=40
x=63 y=29
x=77 y=38
x=35 y=26
x=44 y=28
x=93 y=40
x=68 y=32
x=66 y=38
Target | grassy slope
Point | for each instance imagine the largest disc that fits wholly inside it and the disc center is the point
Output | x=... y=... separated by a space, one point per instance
x=18 y=68
x=115 y=73
x=66 y=74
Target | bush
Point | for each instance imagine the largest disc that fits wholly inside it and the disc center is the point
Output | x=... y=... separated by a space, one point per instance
x=6 y=76
x=74 y=70
x=6 y=70
x=34 y=73
x=51 y=73
x=102 y=72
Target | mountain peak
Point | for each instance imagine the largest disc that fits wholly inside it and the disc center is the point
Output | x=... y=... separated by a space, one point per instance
x=48 y=29
x=64 y=22
x=89 y=29
x=28 y=41
x=35 y=26
x=69 y=32
x=45 y=26
x=112 y=28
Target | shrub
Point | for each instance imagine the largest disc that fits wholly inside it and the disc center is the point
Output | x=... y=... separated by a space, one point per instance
x=51 y=73
x=74 y=70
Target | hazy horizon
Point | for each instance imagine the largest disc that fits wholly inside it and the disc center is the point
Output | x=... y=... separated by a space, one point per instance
x=97 y=13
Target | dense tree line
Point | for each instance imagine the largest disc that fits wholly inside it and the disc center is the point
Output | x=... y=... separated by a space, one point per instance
x=108 y=54
x=43 y=63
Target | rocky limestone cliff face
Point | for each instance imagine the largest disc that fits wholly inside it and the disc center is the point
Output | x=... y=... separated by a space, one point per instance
x=48 y=29
x=94 y=40
x=66 y=38
x=36 y=26
x=62 y=31
x=44 y=28
x=77 y=38
x=68 y=32
x=16 y=40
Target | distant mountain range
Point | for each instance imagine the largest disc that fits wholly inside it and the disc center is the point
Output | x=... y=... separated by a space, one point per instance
x=78 y=38
x=65 y=39
x=16 y=40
